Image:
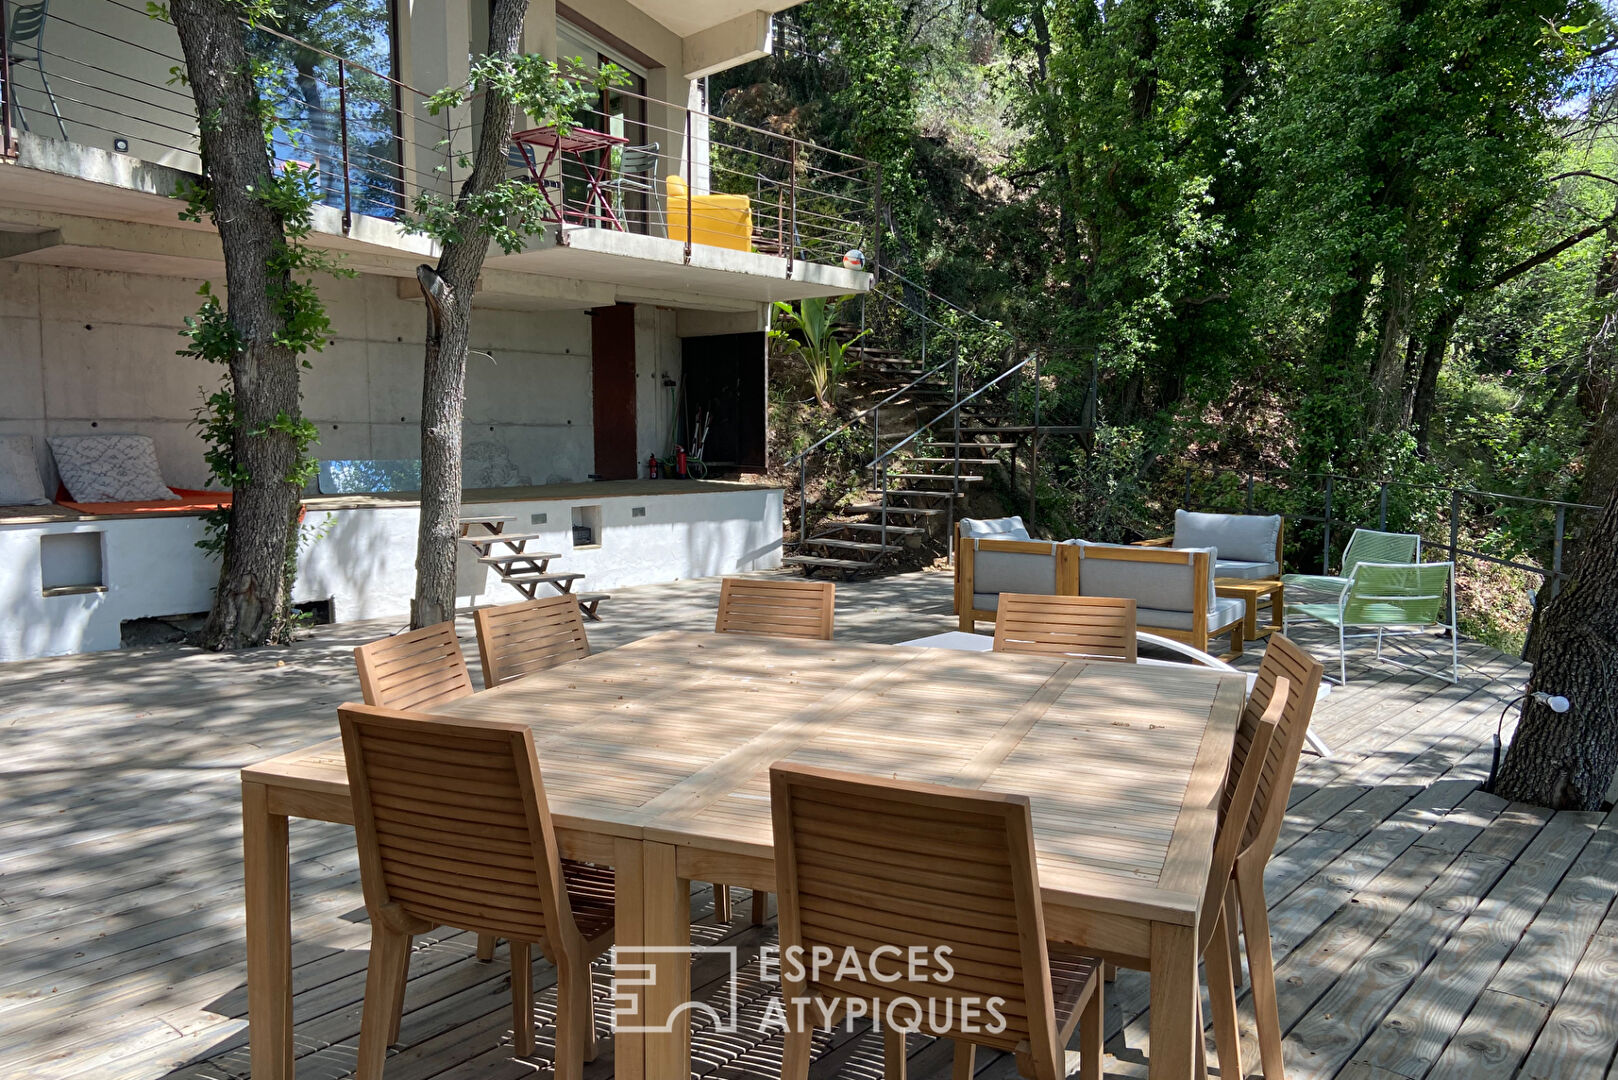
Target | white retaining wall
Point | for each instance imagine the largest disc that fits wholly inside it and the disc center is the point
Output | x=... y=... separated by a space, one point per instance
x=365 y=561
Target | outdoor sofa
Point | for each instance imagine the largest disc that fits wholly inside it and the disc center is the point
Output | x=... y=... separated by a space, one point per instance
x=1172 y=587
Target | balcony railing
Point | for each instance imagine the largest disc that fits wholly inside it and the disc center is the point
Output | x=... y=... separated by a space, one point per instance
x=102 y=73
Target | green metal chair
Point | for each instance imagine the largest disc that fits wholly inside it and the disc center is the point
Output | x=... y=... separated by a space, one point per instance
x=1365 y=545
x=1398 y=600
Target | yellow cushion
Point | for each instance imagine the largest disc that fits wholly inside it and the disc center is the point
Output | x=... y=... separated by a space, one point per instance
x=716 y=220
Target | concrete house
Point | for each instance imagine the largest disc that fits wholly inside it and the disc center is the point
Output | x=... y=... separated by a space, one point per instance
x=640 y=312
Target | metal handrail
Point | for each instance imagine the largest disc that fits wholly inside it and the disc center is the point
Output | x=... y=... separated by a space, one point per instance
x=862 y=414
x=955 y=408
x=1552 y=575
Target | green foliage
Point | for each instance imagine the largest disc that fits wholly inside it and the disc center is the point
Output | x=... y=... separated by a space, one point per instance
x=808 y=333
x=513 y=209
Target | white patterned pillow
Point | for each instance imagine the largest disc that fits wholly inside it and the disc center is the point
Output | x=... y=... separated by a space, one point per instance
x=110 y=468
x=19 y=473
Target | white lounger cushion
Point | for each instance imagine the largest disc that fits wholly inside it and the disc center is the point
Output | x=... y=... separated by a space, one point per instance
x=1006 y=528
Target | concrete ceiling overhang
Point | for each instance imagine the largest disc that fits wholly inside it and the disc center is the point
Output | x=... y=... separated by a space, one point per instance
x=61 y=219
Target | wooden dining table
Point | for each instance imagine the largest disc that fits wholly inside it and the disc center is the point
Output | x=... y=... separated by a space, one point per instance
x=656 y=758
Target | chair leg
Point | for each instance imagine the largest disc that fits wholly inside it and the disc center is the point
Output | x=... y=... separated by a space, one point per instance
x=384 y=995
x=574 y=1032
x=1093 y=1033
x=1231 y=937
x=966 y=1061
x=522 y=999
x=584 y=1011
x=1201 y=1044
x=799 y=1042
x=486 y=943
x=1342 y=655
x=1260 y=966
x=761 y=907
x=893 y=1054
x=1222 y=1000
x=721 y=904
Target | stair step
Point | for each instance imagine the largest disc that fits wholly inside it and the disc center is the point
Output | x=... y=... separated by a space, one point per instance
x=483 y=540
x=950 y=461
x=965 y=478
x=540 y=579
x=849 y=545
x=518 y=556
x=876 y=508
x=866 y=526
x=817 y=560
x=916 y=494
x=978 y=445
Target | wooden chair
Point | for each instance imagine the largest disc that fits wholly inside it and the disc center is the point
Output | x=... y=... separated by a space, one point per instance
x=865 y=864
x=1287 y=687
x=518 y=639
x=415 y=670
x=454 y=830
x=1094 y=627
x=800 y=609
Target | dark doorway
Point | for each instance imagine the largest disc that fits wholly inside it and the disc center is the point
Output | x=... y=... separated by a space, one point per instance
x=612 y=390
x=725 y=375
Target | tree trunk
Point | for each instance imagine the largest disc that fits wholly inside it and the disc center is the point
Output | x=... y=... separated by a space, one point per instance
x=448 y=290
x=1566 y=760
x=1424 y=401
x=250 y=602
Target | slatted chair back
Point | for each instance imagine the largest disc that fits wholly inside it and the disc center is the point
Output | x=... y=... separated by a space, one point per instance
x=1397 y=594
x=1241 y=797
x=519 y=639
x=1291 y=677
x=863 y=864
x=415 y=670
x=1093 y=627
x=1369 y=545
x=800 y=609
x=452 y=823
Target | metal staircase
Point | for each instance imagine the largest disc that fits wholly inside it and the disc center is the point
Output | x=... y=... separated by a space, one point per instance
x=930 y=441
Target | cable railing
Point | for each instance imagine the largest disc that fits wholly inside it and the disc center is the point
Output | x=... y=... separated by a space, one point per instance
x=103 y=76
x=1338 y=503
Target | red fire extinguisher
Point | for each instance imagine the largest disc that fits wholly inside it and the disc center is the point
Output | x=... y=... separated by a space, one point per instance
x=679 y=462
x=651 y=466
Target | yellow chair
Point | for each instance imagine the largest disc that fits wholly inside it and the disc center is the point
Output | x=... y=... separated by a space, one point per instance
x=716 y=220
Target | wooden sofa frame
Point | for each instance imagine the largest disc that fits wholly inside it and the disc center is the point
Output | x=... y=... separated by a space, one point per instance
x=1068 y=563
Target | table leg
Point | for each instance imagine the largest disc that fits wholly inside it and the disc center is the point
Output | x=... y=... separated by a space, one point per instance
x=1175 y=998
x=667 y=912
x=1278 y=606
x=1250 y=620
x=269 y=935
x=629 y=1047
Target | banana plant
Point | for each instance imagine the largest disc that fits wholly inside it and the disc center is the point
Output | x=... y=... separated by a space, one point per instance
x=807 y=332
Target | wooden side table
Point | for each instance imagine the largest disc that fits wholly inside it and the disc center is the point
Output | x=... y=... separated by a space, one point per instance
x=1253 y=591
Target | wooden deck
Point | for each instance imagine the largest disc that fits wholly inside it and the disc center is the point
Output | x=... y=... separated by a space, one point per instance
x=1423 y=929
